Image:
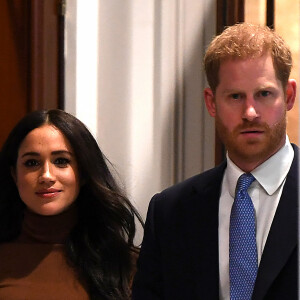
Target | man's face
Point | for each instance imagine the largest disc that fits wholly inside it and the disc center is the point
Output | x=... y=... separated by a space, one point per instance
x=250 y=107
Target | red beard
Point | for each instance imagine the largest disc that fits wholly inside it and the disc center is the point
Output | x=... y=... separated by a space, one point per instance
x=253 y=149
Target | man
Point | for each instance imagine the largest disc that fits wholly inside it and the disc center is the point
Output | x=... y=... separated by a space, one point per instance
x=196 y=239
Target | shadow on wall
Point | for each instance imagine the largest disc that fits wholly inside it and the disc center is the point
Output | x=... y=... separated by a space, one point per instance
x=193 y=128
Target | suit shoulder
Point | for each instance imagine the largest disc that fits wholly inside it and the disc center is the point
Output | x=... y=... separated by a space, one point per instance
x=196 y=184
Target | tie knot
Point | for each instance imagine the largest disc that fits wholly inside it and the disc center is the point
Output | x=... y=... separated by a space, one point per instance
x=244 y=182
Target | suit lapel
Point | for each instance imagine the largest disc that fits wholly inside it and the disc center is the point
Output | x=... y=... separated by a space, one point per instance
x=201 y=233
x=283 y=236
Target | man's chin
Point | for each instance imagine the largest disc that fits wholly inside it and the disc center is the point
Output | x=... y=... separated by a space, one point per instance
x=252 y=151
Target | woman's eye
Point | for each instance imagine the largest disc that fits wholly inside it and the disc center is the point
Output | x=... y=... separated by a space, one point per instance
x=61 y=162
x=31 y=163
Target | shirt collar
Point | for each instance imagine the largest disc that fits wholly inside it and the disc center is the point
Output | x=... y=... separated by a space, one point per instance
x=269 y=174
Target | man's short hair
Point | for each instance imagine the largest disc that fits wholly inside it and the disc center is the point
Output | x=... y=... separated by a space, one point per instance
x=244 y=41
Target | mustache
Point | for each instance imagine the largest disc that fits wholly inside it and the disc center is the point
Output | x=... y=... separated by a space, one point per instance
x=247 y=125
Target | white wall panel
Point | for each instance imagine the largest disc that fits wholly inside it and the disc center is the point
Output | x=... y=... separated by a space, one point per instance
x=142 y=93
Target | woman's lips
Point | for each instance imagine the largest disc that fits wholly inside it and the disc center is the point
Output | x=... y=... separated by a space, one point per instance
x=48 y=193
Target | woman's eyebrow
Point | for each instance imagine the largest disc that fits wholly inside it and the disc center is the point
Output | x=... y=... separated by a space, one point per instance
x=56 y=152
x=30 y=154
x=62 y=152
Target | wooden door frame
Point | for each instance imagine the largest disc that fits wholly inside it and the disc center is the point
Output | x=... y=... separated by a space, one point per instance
x=32 y=53
x=46 y=55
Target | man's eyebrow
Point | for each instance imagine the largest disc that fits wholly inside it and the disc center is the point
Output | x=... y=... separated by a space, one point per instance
x=266 y=86
x=231 y=91
x=238 y=91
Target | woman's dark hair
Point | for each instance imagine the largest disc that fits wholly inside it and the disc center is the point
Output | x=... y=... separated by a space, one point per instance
x=101 y=245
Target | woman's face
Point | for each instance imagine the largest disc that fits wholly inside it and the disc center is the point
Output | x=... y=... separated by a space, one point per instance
x=46 y=171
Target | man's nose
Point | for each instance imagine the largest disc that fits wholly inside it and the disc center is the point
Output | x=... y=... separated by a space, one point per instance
x=250 y=110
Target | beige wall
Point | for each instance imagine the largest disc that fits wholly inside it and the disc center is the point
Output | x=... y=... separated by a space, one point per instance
x=287 y=24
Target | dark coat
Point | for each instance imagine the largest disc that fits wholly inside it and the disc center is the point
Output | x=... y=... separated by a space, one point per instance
x=179 y=257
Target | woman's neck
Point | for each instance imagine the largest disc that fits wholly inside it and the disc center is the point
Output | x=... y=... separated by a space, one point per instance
x=47 y=229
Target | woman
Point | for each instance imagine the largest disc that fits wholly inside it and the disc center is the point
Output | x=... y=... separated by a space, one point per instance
x=66 y=230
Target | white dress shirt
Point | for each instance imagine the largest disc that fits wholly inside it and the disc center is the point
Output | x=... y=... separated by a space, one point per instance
x=265 y=193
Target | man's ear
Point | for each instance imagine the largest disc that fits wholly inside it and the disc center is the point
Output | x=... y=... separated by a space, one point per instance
x=13 y=174
x=210 y=101
x=291 y=89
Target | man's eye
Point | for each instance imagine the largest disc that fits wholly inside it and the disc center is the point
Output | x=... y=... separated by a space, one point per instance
x=61 y=162
x=31 y=163
x=235 y=96
x=265 y=93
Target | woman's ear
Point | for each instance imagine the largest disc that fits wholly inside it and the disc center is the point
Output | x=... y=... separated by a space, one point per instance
x=13 y=174
x=82 y=180
x=210 y=101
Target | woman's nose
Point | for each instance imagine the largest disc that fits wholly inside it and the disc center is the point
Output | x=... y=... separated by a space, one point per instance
x=46 y=174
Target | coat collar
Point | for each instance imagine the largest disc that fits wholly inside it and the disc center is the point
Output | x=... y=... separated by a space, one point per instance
x=283 y=236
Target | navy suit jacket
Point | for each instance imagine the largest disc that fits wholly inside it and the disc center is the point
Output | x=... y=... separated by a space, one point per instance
x=179 y=256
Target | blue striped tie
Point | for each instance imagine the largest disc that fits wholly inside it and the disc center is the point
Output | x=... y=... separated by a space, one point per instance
x=242 y=242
